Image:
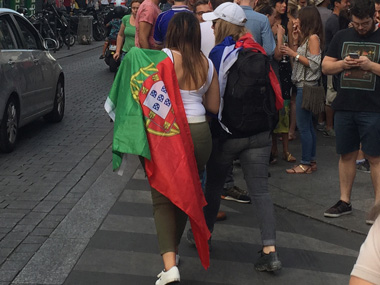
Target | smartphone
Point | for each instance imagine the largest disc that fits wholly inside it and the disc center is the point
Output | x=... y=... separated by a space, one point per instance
x=354 y=55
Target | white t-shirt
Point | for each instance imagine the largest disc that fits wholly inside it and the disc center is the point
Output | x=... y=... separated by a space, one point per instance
x=367 y=266
x=207 y=37
x=192 y=99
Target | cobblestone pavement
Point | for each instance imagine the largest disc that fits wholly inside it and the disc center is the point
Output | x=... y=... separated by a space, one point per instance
x=54 y=165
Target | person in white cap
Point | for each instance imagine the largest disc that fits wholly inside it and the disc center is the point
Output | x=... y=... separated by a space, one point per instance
x=207 y=33
x=231 y=36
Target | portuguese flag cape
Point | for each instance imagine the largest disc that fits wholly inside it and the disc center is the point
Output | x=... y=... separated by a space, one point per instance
x=150 y=121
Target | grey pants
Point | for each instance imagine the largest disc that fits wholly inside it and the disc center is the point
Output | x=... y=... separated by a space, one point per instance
x=253 y=153
x=170 y=220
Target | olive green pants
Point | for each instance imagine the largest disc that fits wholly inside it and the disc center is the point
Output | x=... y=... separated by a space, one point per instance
x=170 y=220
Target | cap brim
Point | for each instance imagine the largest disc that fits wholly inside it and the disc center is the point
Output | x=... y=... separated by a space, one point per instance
x=209 y=16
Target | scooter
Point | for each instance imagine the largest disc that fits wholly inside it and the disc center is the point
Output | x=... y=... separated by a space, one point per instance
x=108 y=58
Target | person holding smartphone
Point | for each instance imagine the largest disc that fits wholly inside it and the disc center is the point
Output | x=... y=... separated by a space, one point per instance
x=354 y=56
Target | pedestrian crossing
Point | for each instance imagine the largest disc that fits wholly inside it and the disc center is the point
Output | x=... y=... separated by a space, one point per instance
x=124 y=250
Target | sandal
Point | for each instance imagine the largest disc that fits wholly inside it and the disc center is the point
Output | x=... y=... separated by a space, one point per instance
x=302 y=169
x=289 y=157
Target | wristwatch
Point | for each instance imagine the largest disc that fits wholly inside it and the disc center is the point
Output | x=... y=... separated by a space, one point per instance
x=297 y=58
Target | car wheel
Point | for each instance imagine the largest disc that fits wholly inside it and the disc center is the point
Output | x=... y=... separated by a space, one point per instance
x=56 y=115
x=9 y=126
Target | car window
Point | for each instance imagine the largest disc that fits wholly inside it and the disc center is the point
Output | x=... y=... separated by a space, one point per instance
x=6 y=40
x=32 y=40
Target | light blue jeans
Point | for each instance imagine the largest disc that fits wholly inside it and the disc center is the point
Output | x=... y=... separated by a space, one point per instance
x=253 y=153
x=306 y=130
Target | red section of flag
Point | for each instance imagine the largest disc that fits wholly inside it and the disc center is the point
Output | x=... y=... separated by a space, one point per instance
x=172 y=169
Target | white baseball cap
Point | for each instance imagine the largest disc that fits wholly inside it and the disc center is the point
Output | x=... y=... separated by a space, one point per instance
x=229 y=12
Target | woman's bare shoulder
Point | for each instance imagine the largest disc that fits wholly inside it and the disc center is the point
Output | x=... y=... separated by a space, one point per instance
x=314 y=38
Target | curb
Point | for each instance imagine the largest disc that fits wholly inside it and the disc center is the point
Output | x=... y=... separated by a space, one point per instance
x=82 y=49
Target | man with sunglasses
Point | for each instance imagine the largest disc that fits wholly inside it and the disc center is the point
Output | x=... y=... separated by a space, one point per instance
x=354 y=55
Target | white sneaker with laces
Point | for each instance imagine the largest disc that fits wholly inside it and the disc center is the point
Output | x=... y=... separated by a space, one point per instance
x=170 y=276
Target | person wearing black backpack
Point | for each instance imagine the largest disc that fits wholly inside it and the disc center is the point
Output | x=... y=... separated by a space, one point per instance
x=250 y=97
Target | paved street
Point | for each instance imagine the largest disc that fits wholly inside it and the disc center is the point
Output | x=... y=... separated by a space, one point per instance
x=66 y=218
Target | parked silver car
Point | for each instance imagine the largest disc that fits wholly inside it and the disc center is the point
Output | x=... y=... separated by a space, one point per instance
x=31 y=80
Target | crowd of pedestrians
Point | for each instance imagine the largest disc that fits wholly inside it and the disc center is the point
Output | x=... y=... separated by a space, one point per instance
x=331 y=43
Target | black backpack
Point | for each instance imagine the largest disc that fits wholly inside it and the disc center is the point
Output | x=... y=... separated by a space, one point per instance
x=249 y=99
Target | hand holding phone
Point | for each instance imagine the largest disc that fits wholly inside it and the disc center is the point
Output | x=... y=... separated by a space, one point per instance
x=354 y=55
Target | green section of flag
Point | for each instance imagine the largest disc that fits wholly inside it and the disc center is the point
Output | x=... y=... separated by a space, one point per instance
x=129 y=126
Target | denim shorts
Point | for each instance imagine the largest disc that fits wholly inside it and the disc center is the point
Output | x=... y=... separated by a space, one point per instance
x=353 y=128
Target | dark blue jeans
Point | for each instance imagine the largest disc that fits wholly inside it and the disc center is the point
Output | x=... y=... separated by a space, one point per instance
x=253 y=153
x=306 y=130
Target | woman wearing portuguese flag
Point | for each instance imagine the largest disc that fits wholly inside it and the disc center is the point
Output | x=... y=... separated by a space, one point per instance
x=199 y=88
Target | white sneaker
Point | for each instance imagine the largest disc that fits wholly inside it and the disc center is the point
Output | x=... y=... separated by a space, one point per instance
x=166 y=277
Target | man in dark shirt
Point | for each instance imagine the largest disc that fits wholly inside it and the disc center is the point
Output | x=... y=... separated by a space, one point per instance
x=332 y=23
x=331 y=28
x=354 y=55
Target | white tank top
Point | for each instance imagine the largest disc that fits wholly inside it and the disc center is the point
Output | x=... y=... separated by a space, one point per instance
x=192 y=99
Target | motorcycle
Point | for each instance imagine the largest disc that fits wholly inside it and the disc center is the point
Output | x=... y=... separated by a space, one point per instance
x=108 y=57
x=42 y=24
x=66 y=35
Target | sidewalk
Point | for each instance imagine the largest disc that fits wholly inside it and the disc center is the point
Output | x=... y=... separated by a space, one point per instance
x=77 y=49
x=312 y=194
